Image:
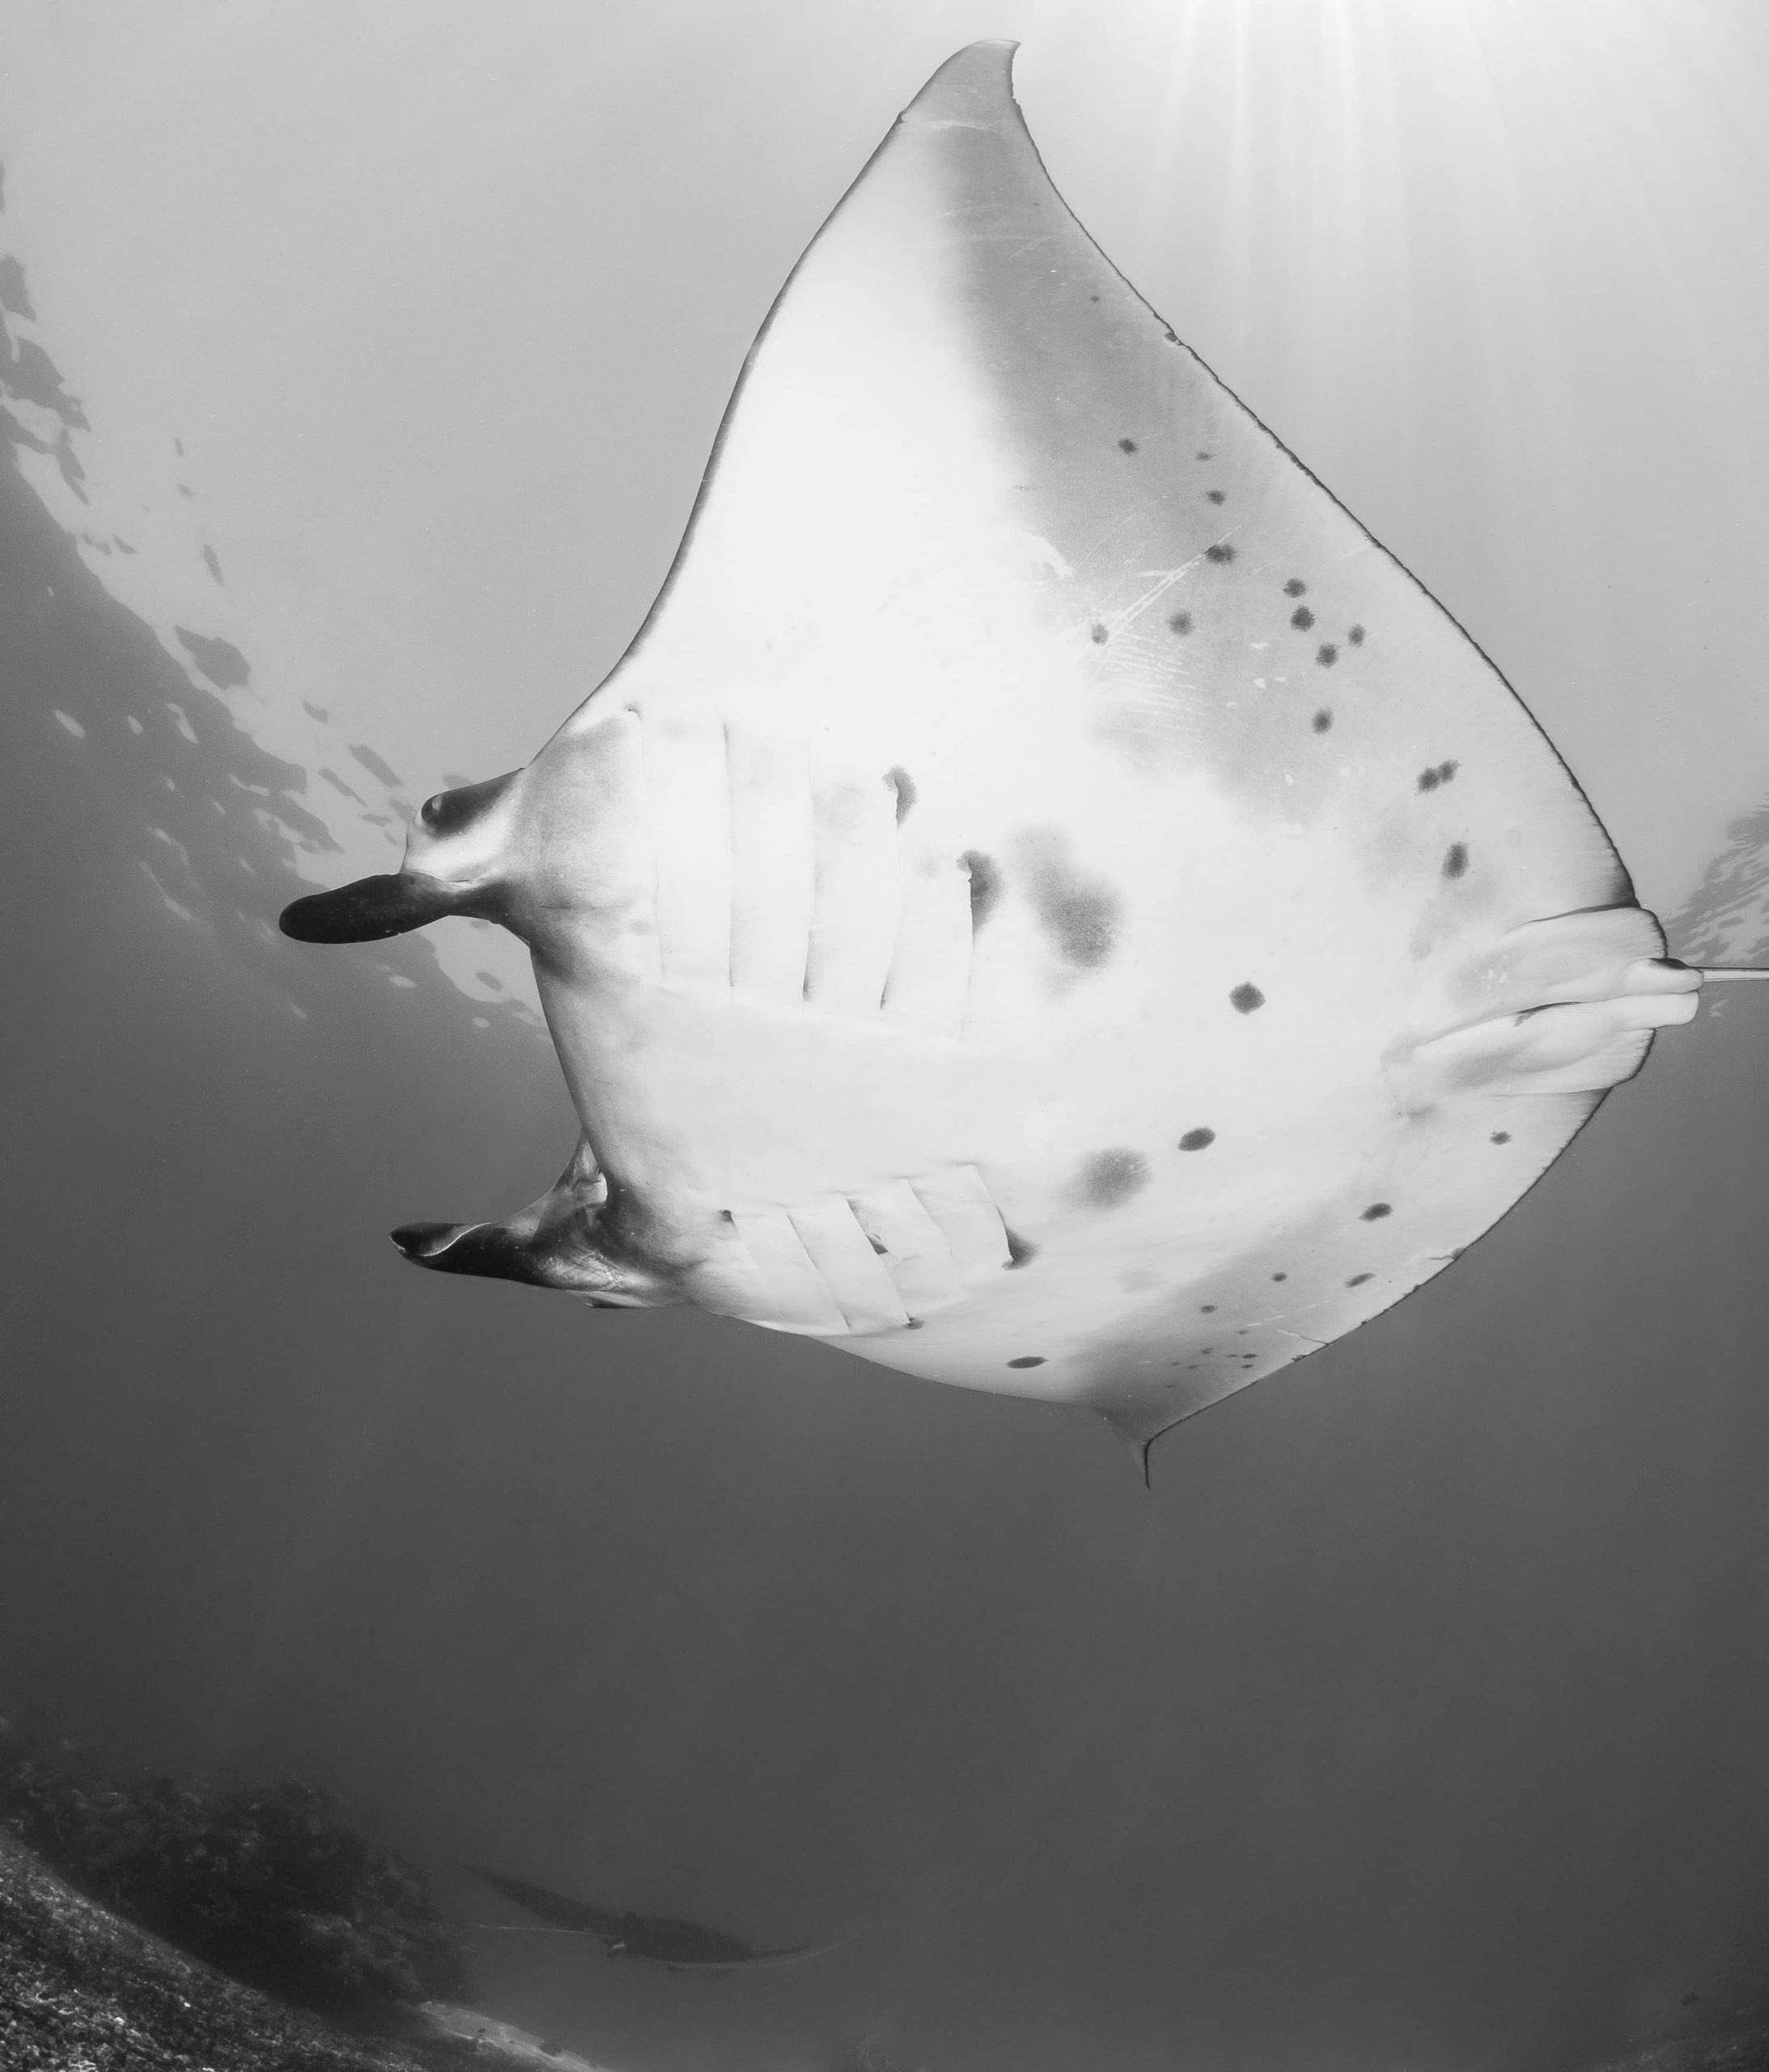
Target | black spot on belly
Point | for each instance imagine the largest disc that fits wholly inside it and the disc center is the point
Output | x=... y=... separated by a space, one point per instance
x=1096 y=633
x=1222 y=551
x=1197 y=1140
x=1356 y=636
x=1079 y=914
x=1127 y=446
x=1430 y=779
x=1358 y=1279
x=1215 y=496
x=1376 y=1211
x=1245 y=998
x=1206 y=1309
x=1302 y=619
x=1206 y=456
x=1280 y=1276
x=984 y=884
x=904 y=785
x=1028 y=1360
x=1111 y=1177
x=1499 y=1136
x=1455 y=860
x=1327 y=654
x=1180 y=622
x=1446 y=770
x=915 y=1323
x=1295 y=588
x=1322 y=720
x=1020 y=1250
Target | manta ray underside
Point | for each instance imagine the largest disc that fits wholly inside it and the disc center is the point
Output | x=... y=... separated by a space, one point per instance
x=1046 y=902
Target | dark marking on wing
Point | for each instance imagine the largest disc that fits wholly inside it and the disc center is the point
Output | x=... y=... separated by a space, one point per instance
x=1215 y=496
x=1197 y=1140
x=1245 y=998
x=1302 y=619
x=1327 y=654
x=1079 y=914
x=1377 y=1210
x=1028 y=1360
x=1020 y=1250
x=904 y=785
x=1222 y=551
x=1456 y=860
x=1180 y=622
x=1499 y=1136
x=1322 y=720
x=1295 y=588
x=1127 y=446
x=1111 y=1177
x=984 y=884
x=1356 y=636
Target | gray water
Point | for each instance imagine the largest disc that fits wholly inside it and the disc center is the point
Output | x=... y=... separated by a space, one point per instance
x=1417 y=1717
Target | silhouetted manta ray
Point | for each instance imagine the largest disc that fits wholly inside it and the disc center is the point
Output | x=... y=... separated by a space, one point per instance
x=652 y=1938
x=1046 y=902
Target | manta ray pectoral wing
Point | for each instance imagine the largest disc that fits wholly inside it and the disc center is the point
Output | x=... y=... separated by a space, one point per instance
x=559 y=1910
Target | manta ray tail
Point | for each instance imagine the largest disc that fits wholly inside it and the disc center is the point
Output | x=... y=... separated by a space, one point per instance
x=1712 y=973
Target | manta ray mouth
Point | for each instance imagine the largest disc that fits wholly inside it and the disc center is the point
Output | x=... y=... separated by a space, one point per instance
x=371 y=909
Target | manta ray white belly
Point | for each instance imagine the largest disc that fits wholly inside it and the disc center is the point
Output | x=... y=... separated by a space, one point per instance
x=1046 y=902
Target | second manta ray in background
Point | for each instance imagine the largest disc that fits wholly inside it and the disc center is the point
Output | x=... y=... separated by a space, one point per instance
x=1046 y=903
x=679 y=1946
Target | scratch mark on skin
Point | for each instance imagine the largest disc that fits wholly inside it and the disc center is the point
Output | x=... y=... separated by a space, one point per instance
x=1116 y=621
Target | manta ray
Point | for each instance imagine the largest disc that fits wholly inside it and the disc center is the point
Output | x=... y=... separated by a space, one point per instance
x=1046 y=902
x=652 y=1938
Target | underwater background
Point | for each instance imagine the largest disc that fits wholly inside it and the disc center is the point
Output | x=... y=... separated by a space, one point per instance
x=359 y=369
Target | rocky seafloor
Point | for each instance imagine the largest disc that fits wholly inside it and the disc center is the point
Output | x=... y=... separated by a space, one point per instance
x=82 y=1990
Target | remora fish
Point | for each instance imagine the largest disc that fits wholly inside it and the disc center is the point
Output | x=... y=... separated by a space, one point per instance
x=1045 y=901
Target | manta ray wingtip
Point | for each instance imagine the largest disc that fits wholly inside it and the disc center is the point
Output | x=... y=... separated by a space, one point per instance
x=974 y=87
x=1139 y=1439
